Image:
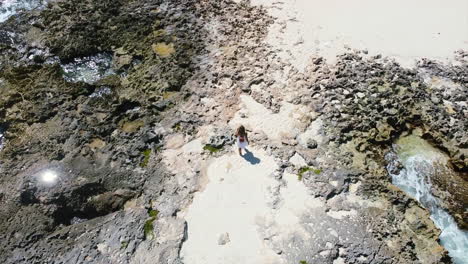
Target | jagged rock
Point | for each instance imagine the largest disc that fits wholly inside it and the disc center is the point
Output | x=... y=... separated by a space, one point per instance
x=221 y=137
x=384 y=132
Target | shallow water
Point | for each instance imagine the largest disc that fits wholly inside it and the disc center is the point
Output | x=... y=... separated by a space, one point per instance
x=9 y=8
x=88 y=69
x=419 y=160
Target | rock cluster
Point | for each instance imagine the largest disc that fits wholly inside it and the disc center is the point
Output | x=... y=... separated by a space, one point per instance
x=372 y=102
x=98 y=138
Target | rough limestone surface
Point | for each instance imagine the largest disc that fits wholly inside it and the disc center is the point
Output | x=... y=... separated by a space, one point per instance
x=130 y=159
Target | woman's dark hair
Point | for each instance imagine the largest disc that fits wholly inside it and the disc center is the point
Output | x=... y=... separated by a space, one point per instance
x=241 y=131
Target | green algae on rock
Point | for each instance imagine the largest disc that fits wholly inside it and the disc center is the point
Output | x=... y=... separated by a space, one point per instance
x=303 y=170
x=149 y=227
x=146 y=157
x=211 y=149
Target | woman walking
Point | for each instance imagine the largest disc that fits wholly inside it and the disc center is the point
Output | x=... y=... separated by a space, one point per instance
x=241 y=139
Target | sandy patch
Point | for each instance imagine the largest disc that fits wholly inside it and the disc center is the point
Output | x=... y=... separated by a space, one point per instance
x=243 y=210
x=295 y=202
x=234 y=199
x=404 y=30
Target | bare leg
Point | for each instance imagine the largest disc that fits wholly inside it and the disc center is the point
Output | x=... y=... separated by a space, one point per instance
x=240 y=151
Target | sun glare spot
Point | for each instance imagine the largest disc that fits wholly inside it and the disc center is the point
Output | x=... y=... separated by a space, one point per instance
x=49 y=177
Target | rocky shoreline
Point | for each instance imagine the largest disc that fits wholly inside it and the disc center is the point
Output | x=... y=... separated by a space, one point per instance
x=121 y=144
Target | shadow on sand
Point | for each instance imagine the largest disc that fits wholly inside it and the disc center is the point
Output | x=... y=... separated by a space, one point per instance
x=249 y=156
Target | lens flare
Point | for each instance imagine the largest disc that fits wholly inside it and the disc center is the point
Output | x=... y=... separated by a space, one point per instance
x=49 y=177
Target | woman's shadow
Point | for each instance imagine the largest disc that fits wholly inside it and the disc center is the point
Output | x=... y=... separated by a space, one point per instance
x=249 y=156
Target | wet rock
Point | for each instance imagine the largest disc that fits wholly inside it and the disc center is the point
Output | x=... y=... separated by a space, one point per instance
x=122 y=60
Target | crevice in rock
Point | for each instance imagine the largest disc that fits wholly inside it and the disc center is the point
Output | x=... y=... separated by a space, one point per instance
x=85 y=202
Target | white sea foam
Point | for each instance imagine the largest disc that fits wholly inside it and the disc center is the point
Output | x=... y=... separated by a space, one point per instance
x=419 y=159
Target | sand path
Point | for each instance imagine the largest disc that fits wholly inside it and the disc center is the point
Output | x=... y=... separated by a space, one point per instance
x=243 y=210
x=234 y=199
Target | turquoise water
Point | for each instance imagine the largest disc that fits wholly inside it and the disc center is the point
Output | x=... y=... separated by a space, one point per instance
x=419 y=161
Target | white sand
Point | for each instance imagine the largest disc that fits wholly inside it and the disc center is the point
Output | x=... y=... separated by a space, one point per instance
x=234 y=199
x=296 y=201
x=401 y=29
x=238 y=202
x=242 y=199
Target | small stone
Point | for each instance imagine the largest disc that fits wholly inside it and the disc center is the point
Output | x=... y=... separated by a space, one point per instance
x=317 y=61
x=384 y=131
x=246 y=89
x=312 y=143
x=223 y=239
x=435 y=100
x=391 y=111
x=298 y=161
x=161 y=105
x=122 y=61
